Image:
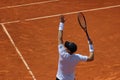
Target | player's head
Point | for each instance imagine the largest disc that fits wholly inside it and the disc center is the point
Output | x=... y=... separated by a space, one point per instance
x=72 y=47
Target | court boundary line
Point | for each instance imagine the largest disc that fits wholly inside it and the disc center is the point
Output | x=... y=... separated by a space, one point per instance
x=18 y=51
x=29 y=4
x=67 y=13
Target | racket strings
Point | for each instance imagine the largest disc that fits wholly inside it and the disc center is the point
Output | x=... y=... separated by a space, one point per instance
x=82 y=20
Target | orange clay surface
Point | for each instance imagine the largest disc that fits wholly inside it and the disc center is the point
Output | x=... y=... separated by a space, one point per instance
x=37 y=39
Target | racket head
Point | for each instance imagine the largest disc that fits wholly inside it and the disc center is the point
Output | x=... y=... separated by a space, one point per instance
x=82 y=21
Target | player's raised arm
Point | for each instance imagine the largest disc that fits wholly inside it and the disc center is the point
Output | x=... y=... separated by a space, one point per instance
x=83 y=24
x=60 y=30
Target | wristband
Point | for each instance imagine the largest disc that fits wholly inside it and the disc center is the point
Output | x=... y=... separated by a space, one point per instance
x=61 y=26
x=91 y=49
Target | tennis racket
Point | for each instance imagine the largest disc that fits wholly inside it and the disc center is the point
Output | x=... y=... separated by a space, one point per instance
x=83 y=24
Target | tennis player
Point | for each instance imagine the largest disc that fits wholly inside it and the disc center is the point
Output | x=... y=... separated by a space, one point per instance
x=67 y=57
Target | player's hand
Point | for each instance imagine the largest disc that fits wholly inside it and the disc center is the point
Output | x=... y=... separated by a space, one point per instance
x=62 y=19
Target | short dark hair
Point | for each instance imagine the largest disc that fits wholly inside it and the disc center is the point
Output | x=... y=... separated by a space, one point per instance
x=70 y=46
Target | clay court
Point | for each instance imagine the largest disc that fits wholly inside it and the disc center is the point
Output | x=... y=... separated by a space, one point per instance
x=28 y=38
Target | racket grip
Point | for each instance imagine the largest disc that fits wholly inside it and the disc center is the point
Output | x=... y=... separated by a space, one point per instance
x=91 y=48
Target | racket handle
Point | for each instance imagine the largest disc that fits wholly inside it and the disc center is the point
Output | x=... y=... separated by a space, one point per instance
x=88 y=36
x=89 y=40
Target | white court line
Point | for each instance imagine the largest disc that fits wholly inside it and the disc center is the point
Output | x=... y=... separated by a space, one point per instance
x=19 y=53
x=43 y=17
x=88 y=10
x=30 y=4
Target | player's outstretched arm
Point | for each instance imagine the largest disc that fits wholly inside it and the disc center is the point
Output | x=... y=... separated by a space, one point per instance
x=91 y=50
x=60 y=30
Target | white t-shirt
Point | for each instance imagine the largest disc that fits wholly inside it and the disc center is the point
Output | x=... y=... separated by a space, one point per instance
x=67 y=63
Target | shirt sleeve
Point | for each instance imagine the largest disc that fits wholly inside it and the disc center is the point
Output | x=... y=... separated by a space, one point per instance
x=81 y=57
x=62 y=51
